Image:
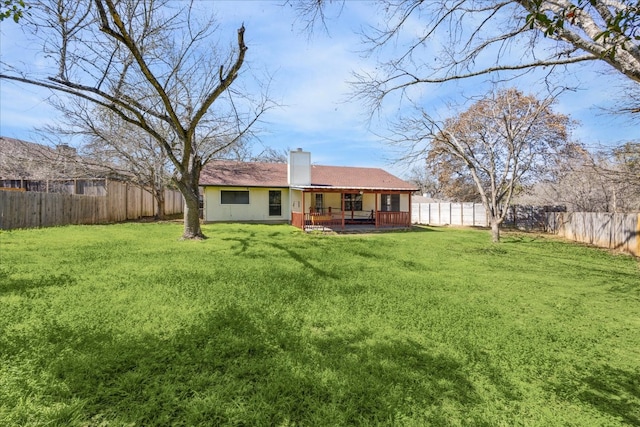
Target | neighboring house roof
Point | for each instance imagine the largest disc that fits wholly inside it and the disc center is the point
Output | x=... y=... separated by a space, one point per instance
x=424 y=199
x=22 y=159
x=27 y=160
x=253 y=174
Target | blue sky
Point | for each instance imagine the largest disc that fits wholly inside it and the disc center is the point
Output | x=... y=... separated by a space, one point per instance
x=310 y=81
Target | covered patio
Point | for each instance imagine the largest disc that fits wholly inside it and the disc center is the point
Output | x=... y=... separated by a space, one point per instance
x=345 y=209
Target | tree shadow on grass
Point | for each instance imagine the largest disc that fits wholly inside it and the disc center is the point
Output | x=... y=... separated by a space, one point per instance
x=614 y=391
x=236 y=367
x=424 y=229
x=303 y=261
x=9 y=284
x=243 y=241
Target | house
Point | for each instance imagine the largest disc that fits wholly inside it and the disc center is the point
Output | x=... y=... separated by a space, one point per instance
x=28 y=166
x=304 y=195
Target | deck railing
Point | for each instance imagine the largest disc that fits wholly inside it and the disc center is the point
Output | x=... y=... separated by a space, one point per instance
x=323 y=220
x=310 y=220
x=335 y=220
x=297 y=219
x=393 y=219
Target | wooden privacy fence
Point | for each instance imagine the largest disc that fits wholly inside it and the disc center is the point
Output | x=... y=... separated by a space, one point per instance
x=465 y=214
x=620 y=231
x=122 y=202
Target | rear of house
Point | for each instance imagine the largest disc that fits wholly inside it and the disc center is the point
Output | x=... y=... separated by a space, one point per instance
x=303 y=194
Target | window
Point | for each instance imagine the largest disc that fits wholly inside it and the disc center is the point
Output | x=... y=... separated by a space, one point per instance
x=275 y=203
x=234 y=197
x=352 y=202
x=319 y=202
x=390 y=202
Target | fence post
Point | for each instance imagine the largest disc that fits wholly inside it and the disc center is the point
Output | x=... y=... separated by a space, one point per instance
x=637 y=252
x=473 y=215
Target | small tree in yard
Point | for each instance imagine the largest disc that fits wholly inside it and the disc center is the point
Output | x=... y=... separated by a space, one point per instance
x=502 y=141
x=156 y=66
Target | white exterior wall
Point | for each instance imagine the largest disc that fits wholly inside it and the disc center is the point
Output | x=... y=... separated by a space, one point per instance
x=369 y=202
x=404 y=203
x=296 y=200
x=257 y=209
x=333 y=200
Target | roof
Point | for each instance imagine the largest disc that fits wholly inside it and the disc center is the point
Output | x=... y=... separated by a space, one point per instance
x=254 y=174
x=28 y=160
x=424 y=199
x=244 y=174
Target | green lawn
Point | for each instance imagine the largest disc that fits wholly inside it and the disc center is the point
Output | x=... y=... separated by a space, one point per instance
x=124 y=325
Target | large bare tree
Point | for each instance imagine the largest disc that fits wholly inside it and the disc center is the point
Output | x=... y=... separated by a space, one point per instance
x=156 y=65
x=440 y=41
x=503 y=140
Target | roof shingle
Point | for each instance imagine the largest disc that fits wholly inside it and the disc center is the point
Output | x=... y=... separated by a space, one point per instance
x=254 y=174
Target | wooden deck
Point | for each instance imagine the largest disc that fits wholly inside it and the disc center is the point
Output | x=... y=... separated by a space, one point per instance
x=338 y=222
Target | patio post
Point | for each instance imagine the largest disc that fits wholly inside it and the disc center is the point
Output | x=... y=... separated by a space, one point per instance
x=409 y=224
x=342 y=207
x=376 y=211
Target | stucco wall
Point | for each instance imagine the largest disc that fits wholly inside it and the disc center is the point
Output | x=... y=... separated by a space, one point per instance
x=404 y=203
x=256 y=210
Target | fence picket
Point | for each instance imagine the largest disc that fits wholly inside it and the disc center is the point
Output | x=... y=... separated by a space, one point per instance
x=619 y=231
x=28 y=209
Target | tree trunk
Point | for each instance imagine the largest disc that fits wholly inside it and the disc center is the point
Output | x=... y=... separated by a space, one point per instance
x=495 y=230
x=160 y=205
x=192 y=216
x=188 y=186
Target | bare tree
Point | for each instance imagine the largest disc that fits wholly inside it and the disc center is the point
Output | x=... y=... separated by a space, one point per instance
x=606 y=180
x=454 y=181
x=621 y=167
x=420 y=177
x=573 y=181
x=503 y=140
x=272 y=155
x=447 y=40
x=113 y=147
x=157 y=66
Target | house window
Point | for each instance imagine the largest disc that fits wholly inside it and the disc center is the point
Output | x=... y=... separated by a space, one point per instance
x=234 y=197
x=319 y=202
x=275 y=203
x=352 y=202
x=390 y=202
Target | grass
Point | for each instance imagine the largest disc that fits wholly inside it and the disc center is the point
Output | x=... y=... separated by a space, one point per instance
x=123 y=325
